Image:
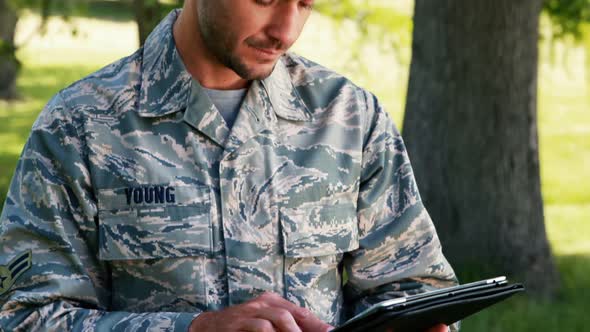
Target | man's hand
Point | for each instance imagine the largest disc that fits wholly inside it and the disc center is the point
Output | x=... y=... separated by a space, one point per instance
x=268 y=312
x=438 y=328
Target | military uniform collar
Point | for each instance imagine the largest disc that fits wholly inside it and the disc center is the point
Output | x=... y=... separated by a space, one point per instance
x=285 y=99
x=166 y=84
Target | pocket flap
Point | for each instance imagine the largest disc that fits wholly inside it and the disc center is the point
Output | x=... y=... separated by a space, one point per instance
x=175 y=229
x=319 y=230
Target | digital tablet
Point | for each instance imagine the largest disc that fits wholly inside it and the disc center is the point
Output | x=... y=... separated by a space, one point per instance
x=421 y=311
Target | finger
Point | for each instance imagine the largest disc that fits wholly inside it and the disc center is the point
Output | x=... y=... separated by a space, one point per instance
x=311 y=323
x=281 y=318
x=304 y=318
x=314 y=324
x=256 y=325
x=438 y=328
x=275 y=300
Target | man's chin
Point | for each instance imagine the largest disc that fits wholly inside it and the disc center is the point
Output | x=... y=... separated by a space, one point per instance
x=255 y=72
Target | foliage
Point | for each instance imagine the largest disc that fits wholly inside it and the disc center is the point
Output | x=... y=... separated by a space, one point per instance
x=374 y=21
x=63 y=8
x=46 y=8
x=374 y=18
x=568 y=16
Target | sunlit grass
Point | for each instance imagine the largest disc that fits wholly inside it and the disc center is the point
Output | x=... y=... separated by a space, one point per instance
x=568 y=228
x=564 y=126
x=55 y=61
x=82 y=41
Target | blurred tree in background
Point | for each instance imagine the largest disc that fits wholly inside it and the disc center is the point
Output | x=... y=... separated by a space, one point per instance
x=147 y=14
x=9 y=14
x=471 y=129
x=569 y=18
x=8 y=62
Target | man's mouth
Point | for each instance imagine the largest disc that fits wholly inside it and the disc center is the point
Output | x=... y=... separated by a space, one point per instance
x=266 y=53
x=267 y=49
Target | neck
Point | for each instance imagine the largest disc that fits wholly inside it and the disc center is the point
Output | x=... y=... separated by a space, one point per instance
x=198 y=60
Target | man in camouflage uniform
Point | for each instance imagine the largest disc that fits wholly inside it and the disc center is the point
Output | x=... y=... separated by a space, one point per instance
x=137 y=206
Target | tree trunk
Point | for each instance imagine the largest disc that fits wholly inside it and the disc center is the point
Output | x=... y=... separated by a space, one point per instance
x=147 y=15
x=8 y=62
x=471 y=130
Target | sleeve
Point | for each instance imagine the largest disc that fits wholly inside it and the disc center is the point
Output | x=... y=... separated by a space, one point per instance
x=50 y=276
x=399 y=253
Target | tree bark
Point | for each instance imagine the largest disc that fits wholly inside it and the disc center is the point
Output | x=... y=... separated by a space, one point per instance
x=471 y=130
x=8 y=63
x=147 y=15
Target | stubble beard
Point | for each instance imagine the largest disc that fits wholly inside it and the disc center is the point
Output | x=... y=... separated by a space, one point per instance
x=221 y=45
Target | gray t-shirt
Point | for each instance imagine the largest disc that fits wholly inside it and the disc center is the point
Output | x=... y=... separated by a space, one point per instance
x=228 y=103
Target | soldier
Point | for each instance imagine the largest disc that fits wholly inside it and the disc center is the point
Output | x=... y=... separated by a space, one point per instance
x=211 y=181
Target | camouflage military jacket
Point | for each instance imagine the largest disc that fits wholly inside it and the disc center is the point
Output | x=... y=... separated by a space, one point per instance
x=134 y=207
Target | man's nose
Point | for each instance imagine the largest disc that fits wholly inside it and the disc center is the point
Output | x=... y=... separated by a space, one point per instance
x=286 y=23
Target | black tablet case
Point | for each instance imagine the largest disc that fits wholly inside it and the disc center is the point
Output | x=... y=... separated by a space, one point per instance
x=419 y=316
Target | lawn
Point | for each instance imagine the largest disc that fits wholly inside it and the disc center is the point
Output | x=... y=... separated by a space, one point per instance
x=58 y=59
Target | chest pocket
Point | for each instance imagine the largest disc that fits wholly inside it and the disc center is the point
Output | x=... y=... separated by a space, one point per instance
x=154 y=222
x=319 y=230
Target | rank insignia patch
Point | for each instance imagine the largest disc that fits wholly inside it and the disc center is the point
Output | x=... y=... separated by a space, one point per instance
x=11 y=271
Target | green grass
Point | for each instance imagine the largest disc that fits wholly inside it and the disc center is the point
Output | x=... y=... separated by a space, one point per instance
x=565 y=144
x=57 y=60
x=567 y=229
x=568 y=313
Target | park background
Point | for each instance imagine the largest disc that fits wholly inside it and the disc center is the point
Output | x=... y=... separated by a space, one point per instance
x=74 y=46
